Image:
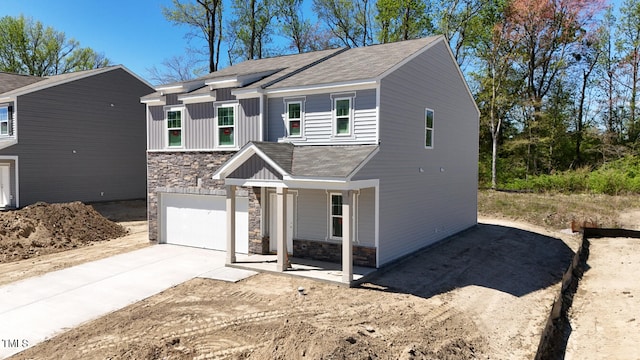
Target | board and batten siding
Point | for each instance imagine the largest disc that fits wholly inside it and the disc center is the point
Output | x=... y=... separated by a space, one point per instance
x=425 y=194
x=199 y=124
x=312 y=217
x=318 y=119
x=83 y=140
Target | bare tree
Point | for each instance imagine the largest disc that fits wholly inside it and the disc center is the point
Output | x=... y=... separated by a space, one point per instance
x=205 y=18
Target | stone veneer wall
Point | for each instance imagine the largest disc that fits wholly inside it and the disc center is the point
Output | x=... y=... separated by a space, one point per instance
x=332 y=252
x=190 y=173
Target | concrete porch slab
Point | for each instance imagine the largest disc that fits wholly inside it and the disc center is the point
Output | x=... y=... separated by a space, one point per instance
x=318 y=270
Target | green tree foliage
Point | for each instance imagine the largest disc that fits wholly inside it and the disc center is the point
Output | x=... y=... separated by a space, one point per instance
x=251 y=28
x=402 y=20
x=628 y=45
x=28 y=47
x=350 y=21
x=302 y=34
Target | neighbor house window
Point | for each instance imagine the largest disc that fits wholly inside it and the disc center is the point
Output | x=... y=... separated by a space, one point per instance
x=336 y=216
x=294 y=118
x=4 y=120
x=226 y=125
x=428 y=128
x=342 y=114
x=174 y=127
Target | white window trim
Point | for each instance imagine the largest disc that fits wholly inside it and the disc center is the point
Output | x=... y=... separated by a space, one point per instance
x=424 y=138
x=8 y=120
x=217 y=106
x=297 y=100
x=334 y=118
x=181 y=109
x=331 y=216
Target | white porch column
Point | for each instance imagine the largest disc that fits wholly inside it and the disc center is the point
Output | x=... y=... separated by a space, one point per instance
x=281 y=228
x=347 y=236
x=231 y=224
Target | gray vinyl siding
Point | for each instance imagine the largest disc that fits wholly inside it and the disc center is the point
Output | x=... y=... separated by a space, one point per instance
x=366 y=218
x=199 y=124
x=440 y=184
x=311 y=222
x=318 y=119
x=12 y=180
x=313 y=214
x=255 y=168
x=83 y=140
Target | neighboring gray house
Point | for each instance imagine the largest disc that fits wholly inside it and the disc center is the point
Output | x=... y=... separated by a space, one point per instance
x=376 y=147
x=72 y=137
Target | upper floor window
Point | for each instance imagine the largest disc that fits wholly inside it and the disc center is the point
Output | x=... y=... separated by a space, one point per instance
x=174 y=127
x=294 y=118
x=226 y=125
x=342 y=110
x=4 y=120
x=428 y=128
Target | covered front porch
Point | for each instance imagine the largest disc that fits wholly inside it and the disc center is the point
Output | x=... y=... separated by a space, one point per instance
x=313 y=269
x=281 y=171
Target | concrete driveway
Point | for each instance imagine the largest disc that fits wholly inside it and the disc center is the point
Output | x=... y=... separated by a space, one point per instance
x=35 y=309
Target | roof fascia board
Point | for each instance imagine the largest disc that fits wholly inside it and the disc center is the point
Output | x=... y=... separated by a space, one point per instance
x=441 y=39
x=238 y=80
x=158 y=101
x=317 y=88
x=135 y=76
x=363 y=163
x=307 y=184
x=411 y=57
x=461 y=75
x=247 y=93
x=181 y=87
x=243 y=155
x=44 y=84
x=196 y=98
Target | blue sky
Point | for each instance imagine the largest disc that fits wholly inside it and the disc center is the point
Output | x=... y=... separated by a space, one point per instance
x=129 y=32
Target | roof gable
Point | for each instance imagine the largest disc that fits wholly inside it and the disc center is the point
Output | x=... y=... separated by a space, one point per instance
x=277 y=161
x=55 y=80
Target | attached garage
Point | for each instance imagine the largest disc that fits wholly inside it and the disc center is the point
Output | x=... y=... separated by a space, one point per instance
x=201 y=221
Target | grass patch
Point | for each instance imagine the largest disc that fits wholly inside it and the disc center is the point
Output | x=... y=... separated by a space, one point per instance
x=556 y=210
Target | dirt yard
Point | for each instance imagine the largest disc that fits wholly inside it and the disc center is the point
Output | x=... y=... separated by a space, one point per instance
x=48 y=237
x=483 y=294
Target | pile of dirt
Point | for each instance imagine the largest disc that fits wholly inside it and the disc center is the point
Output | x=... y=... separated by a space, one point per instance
x=44 y=228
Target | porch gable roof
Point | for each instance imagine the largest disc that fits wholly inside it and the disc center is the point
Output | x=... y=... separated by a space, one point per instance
x=291 y=162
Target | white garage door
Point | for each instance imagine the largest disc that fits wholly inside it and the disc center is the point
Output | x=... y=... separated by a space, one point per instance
x=201 y=221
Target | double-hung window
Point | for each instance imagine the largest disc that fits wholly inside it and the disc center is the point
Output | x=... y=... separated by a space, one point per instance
x=428 y=128
x=226 y=125
x=174 y=127
x=342 y=115
x=294 y=118
x=5 y=114
x=336 y=216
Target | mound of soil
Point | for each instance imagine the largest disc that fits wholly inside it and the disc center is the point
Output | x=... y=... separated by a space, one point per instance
x=44 y=228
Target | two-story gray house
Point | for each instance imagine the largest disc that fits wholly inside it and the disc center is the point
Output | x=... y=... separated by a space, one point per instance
x=359 y=156
x=72 y=137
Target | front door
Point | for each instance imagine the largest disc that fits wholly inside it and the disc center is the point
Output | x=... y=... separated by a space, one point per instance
x=5 y=185
x=273 y=246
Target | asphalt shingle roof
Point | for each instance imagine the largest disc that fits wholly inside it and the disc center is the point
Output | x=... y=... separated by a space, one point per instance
x=10 y=82
x=319 y=67
x=361 y=63
x=316 y=160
